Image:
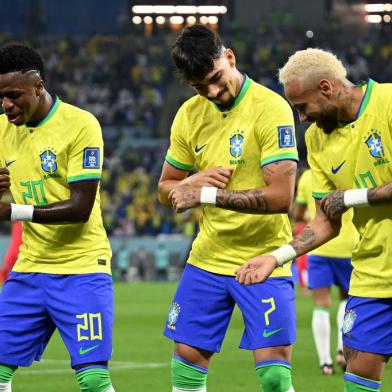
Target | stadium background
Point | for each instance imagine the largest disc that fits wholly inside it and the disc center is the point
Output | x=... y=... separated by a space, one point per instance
x=114 y=62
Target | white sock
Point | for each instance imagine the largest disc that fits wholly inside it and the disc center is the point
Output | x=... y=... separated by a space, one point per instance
x=5 y=387
x=111 y=389
x=321 y=327
x=291 y=389
x=339 y=321
x=192 y=390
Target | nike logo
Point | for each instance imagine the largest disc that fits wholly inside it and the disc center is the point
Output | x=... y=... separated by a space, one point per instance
x=83 y=351
x=9 y=163
x=334 y=171
x=267 y=334
x=198 y=149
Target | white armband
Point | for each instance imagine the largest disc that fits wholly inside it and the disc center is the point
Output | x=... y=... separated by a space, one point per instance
x=208 y=195
x=21 y=212
x=283 y=254
x=356 y=198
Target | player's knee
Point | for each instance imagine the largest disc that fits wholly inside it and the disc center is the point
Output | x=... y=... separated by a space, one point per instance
x=274 y=376
x=188 y=376
x=94 y=380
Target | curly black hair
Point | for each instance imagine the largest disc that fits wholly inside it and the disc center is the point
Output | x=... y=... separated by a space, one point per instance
x=23 y=58
x=195 y=50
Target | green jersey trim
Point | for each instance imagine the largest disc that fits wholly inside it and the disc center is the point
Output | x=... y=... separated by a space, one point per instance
x=366 y=96
x=243 y=90
x=51 y=112
x=319 y=195
x=280 y=157
x=84 y=177
x=178 y=165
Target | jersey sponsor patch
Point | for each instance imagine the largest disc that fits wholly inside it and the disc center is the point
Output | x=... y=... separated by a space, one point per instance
x=286 y=136
x=91 y=158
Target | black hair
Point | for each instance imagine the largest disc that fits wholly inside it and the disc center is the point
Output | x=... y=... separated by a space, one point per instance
x=23 y=58
x=195 y=50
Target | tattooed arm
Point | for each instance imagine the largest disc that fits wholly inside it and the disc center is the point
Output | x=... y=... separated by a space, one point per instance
x=316 y=233
x=336 y=203
x=172 y=178
x=274 y=198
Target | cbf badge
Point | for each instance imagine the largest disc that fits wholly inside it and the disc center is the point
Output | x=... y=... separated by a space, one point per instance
x=348 y=322
x=91 y=158
x=48 y=161
x=174 y=313
x=236 y=142
x=375 y=146
x=286 y=136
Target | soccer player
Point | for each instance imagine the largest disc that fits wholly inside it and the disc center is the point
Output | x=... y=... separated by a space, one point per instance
x=328 y=265
x=240 y=137
x=52 y=152
x=349 y=151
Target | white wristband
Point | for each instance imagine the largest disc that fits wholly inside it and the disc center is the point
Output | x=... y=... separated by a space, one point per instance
x=208 y=195
x=21 y=212
x=356 y=198
x=283 y=254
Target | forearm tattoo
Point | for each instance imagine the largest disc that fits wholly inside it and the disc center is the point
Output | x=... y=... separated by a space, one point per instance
x=381 y=194
x=250 y=201
x=302 y=242
x=336 y=203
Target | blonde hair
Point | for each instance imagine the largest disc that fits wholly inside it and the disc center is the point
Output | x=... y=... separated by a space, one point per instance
x=312 y=61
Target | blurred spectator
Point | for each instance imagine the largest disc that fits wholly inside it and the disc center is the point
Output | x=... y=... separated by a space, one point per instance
x=161 y=261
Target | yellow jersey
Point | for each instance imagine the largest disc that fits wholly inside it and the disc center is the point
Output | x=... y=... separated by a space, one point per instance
x=343 y=244
x=358 y=155
x=257 y=130
x=65 y=147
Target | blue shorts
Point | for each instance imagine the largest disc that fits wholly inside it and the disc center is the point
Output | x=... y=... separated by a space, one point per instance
x=328 y=271
x=204 y=302
x=367 y=325
x=33 y=305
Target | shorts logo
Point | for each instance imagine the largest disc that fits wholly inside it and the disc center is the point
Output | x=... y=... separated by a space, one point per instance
x=91 y=158
x=348 y=322
x=83 y=351
x=286 y=136
x=267 y=334
x=236 y=142
x=174 y=313
x=48 y=161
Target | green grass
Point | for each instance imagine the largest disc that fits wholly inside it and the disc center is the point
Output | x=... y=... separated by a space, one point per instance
x=141 y=354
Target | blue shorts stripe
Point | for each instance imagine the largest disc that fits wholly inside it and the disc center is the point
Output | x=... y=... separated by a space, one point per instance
x=362 y=381
x=197 y=367
x=271 y=362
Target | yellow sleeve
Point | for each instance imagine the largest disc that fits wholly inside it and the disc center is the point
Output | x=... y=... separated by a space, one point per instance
x=302 y=188
x=179 y=153
x=321 y=184
x=277 y=133
x=86 y=152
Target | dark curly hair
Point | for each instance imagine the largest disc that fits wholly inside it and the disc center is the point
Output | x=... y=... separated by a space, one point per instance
x=23 y=58
x=195 y=50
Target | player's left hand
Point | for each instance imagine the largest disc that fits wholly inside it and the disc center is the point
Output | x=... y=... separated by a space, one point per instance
x=4 y=180
x=5 y=211
x=256 y=270
x=333 y=204
x=184 y=197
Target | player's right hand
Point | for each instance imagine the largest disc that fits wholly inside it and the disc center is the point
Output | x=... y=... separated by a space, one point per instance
x=256 y=270
x=216 y=176
x=4 y=180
